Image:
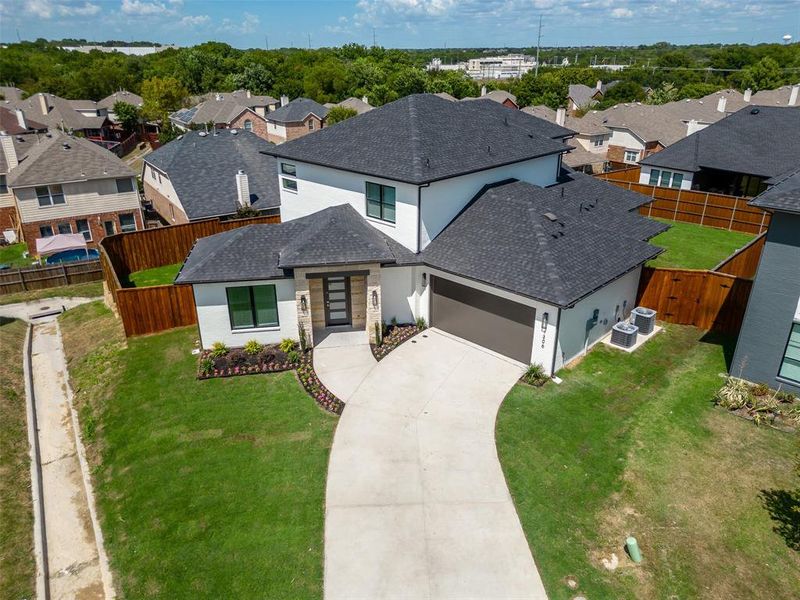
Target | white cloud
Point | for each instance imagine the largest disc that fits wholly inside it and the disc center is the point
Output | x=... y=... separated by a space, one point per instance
x=47 y=9
x=145 y=8
x=247 y=24
x=622 y=13
x=195 y=20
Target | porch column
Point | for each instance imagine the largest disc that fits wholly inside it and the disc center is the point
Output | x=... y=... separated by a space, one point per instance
x=373 y=301
x=302 y=290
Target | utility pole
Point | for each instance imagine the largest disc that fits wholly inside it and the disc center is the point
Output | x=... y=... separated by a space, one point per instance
x=266 y=42
x=538 y=47
x=373 y=38
x=309 y=41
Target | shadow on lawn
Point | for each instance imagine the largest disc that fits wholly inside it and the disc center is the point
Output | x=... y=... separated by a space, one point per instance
x=726 y=341
x=783 y=507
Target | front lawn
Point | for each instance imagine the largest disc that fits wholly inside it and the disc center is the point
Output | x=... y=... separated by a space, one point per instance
x=691 y=246
x=633 y=445
x=206 y=489
x=157 y=276
x=17 y=566
x=92 y=289
x=11 y=255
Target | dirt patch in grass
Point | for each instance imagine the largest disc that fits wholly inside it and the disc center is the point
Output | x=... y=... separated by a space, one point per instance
x=17 y=566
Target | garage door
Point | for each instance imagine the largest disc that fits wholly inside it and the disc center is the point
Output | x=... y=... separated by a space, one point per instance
x=485 y=319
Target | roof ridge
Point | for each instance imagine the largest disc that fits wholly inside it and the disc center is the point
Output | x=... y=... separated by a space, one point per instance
x=413 y=128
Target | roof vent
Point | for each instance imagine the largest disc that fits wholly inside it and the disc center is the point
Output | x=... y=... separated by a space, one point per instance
x=754 y=111
x=428 y=162
x=202 y=134
x=65 y=146
x=234 y=131
x=550 y=216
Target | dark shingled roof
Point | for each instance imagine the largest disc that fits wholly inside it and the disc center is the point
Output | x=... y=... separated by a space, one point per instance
x=759 y=140
x=337 y=235
x=202 y=169
x=297 y=110
x=423 y=138
x=505 y=237
x=784 y=196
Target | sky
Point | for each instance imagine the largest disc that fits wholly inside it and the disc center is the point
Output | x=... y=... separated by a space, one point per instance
x=404 y=23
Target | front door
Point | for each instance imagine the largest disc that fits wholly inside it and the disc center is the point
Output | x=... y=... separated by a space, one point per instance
x=337 y=300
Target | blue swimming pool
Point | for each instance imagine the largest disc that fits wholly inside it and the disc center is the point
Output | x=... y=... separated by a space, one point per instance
x=73 y=256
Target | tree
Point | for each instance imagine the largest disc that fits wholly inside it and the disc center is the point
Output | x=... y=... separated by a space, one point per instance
x=168 y=131
x=161 y=96
x=338 y=114
x=666 y=93
x=764 y=75
x=409 y=81
x=624 y=91
x=127 y=114
x=255 y=77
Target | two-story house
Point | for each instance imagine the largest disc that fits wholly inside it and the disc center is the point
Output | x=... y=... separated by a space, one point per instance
x=295 y=119
x=65 y=184
x=459 y=213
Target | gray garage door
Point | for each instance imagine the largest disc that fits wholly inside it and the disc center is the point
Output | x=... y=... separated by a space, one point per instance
x=485 y=319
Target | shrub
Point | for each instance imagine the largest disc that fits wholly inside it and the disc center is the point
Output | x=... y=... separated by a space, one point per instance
x=421 y=324
x=785 y=397
x=303 y=341
x=287 y=345
x=218 y=349
x=293 y=356
x=535 y=375
x=760 y=389
x=378 y=334
x=735 y=394
x=206 y=366
x=253 y=347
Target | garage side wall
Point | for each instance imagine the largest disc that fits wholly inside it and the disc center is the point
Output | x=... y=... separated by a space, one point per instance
x=614 y=303
x=214 y=323
x=398 y=294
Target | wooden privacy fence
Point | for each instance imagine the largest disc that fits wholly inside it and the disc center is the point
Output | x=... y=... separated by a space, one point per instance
x=41 y=277
x=744 y=262
x=158 y=308
x=690 y=206
x=705 y=299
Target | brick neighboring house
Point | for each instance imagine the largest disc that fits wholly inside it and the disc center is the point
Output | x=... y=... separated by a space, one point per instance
x=65 y=184
x=83 y=117
x=295 y=119
x=226 y=110
x=199 y=176
x=107 y=103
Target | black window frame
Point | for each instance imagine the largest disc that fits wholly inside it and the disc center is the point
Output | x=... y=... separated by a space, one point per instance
x=3 y=183
x=290 y=185
x=291 y=170
x=250 y=289
x=381 y=202
x=128 y=182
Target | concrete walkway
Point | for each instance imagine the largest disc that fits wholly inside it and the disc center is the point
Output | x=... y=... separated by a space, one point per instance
x=342 y=360
x=417 y=505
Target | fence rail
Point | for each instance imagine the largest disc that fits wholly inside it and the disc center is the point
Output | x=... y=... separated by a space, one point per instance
x=42 y=277
x=705 y=299
x=157 y=308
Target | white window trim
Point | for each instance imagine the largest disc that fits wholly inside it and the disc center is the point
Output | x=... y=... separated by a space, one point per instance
x=50 y=196
x=625 y=157
x=286 y=189
x=67 y=223
x=122 y=227
x=88 y=230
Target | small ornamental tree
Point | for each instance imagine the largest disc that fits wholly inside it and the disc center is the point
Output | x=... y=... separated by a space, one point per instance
x=338 y=114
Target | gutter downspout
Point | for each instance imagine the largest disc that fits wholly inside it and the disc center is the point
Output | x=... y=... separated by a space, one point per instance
x=555 y=344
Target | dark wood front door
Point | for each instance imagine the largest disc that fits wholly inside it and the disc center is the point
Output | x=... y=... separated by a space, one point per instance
x=337 y=300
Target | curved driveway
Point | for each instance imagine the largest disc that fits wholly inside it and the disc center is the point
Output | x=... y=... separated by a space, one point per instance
x=417 y=505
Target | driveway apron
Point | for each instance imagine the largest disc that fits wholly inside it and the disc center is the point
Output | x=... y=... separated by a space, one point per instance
x=417 y=505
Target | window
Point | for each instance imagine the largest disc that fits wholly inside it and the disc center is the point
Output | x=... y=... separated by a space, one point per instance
x=654 y=173
x=64 y=228
x=381 y=202
x=597 y=142
x=48 y=195
x=82 y=225
x=631 y=156
x=790 y=365
x=311 y=124
x=3 y=185
x=124 y=185
x=288 y=169
x=127 y=222
x=109 y=227
x=289 y=184
x=252 y=306
x=665 y=175
x=665 y=178
x=248 y=125
x=677 y=180
x=45 y=231
x=152 y=172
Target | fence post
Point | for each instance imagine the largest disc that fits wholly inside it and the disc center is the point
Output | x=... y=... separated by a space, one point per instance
x=733 y=214
x=64 y=274
x=761 y=225
x=705 y=205
x=22 y=280
x=677 y=204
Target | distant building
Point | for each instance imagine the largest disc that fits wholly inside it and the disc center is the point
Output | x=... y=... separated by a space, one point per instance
x=361 y=105
x=295 y=119
x=240 y=109
x=489 y=67
x=129 y=50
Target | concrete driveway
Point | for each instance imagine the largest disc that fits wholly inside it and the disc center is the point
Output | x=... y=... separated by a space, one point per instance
x=417 y=505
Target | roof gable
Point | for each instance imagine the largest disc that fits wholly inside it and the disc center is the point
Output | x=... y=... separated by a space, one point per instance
x=297 y=111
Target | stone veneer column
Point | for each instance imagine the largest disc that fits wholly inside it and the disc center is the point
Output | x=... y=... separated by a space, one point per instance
x=373 y=311
x=301 y=288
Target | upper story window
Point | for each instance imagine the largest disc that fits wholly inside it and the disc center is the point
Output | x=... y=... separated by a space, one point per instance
x=597 y=142
x=289 y=184
x=248 y=125
x=665 y=178
x=288 y=169
x=124 y=185
x=3 y=185
x=152 y=172
x=381 y=202
x=48 y=195
x=790 y=365
x=252 y=306
x=631 y=156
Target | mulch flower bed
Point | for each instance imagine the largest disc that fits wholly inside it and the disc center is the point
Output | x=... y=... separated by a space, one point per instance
x=271 y=359
x=395 y=335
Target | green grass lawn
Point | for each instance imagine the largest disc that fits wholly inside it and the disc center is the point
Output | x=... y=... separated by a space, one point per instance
x=631 y=444
x=93 y=289
x=158 y=276
x=210 y=489
x=690 y=246
x=12 y=256
x=17 y=567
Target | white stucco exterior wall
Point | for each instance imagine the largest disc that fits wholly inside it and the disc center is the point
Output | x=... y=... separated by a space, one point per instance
x=614 y=301
x=398 y=294
x=644 y=176
x=213 y=319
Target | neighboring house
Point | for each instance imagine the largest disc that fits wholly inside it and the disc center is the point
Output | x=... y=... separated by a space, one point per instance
x=360 y=105
x=500 y=96
x=82 y=117
x=399 y=215
x=768 y=349
x=65 y=184
x=239 y=109
x=14 y=122
x=295 y=119
x=580 y=96
x=107 y=103
x=737 y=155
x=17 y=135
x=590 y=143
x=11 y=93
x=199 y=175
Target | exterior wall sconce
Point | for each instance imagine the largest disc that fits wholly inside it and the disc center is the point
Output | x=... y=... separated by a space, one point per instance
x=595 y=316
x=375 y=298
x=303 y=303
x=424 y=280
x=545 y=319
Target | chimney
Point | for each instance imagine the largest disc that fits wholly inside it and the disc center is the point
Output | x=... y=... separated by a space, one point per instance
x=365 y=100
x=483 y=90
x=43 y=104
x=793 y=95
x=599 y=85
x=721 y=104
x=248 y=94
x=242 y=189
x=561 y=115
x=747 y=93
x=21 y=119
x=284 y=100
x=7 y=143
